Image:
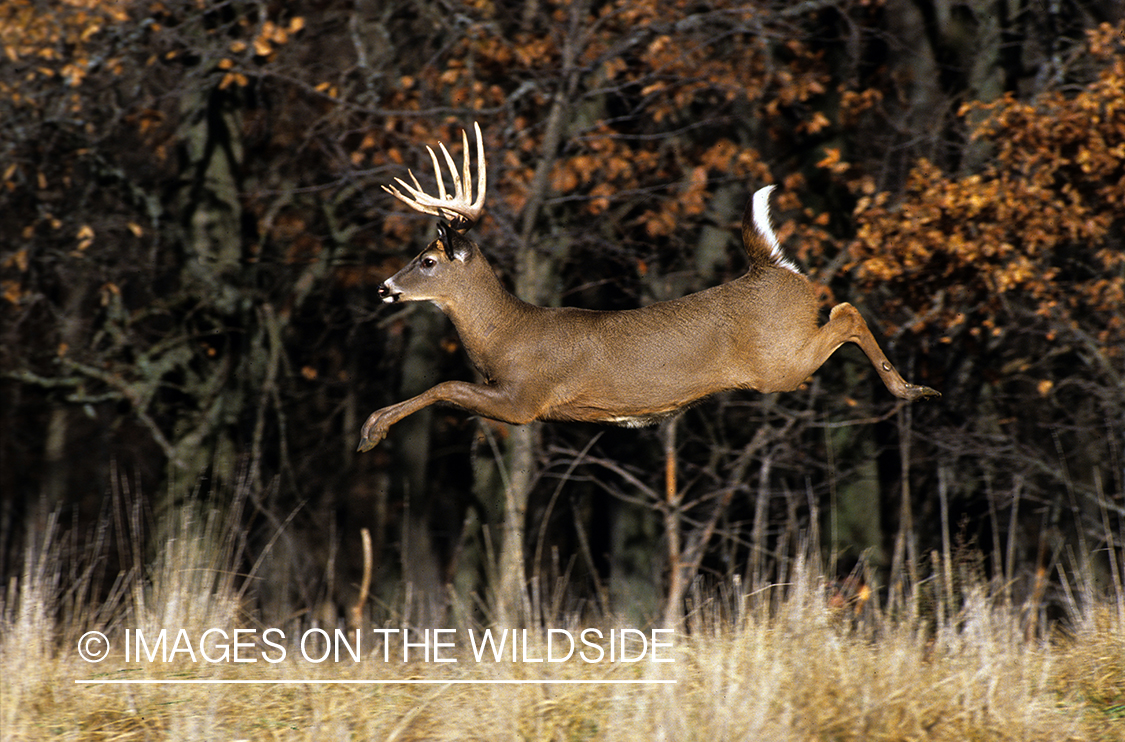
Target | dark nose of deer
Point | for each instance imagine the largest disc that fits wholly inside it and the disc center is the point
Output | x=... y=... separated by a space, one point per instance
x=387 y=292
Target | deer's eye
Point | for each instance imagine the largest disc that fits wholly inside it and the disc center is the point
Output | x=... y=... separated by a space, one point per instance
x=428 y=262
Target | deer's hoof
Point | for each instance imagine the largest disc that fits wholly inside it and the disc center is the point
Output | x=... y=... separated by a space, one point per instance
x=918 y=392
x=371 y=434
x=369 y=441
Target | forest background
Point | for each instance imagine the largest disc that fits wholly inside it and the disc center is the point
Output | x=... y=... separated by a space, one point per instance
x=192 y=232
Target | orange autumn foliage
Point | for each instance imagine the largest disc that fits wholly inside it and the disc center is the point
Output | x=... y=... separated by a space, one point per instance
x=1037 y=232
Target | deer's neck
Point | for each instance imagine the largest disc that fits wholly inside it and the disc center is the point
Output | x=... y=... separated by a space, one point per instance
x=489 y=319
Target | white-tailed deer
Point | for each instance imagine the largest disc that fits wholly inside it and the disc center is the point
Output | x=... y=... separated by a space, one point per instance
x=631 y=367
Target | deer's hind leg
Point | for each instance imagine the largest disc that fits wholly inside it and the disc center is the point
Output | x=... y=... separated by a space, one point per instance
x=845 y=324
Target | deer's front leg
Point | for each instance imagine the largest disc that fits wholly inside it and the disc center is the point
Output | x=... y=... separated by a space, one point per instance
x=497 y=402
x=380 y=421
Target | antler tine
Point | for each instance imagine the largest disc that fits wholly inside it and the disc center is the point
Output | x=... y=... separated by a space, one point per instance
x=466 y=175
x=417 y=200
x=438 y=176
x=462 y=188
x=460 y=208
x=477 y=207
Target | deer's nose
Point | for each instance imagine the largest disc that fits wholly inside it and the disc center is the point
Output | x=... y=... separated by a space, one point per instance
x=387 y=293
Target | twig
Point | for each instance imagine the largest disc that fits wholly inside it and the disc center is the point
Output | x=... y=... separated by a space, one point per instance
x=356 y=614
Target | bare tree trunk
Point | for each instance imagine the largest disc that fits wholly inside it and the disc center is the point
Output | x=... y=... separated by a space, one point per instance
x=677 y=579
x=534 y=282
x=512 y=605
x=421 y=568
x=904 y=563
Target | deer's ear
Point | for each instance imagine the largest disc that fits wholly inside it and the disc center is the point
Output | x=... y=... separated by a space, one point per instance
x=445 y=236
x=456 y=246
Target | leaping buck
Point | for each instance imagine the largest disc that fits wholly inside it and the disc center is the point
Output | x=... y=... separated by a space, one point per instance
x=631 y=367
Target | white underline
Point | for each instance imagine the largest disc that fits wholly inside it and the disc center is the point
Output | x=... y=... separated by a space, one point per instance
x=374 y=682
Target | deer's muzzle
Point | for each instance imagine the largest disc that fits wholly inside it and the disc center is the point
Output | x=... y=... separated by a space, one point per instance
x=388 y=293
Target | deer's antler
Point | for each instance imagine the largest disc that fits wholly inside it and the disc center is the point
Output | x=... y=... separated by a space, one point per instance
x=460 y=209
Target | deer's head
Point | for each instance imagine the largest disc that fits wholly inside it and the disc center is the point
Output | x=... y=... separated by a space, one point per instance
x=439 y=272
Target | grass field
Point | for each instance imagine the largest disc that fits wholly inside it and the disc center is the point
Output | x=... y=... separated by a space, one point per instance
x=782 y=664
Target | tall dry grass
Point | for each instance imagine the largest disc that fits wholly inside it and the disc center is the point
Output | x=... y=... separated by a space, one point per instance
x=782 y=663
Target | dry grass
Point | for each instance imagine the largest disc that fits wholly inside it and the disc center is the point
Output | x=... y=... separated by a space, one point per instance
x=793 y=672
